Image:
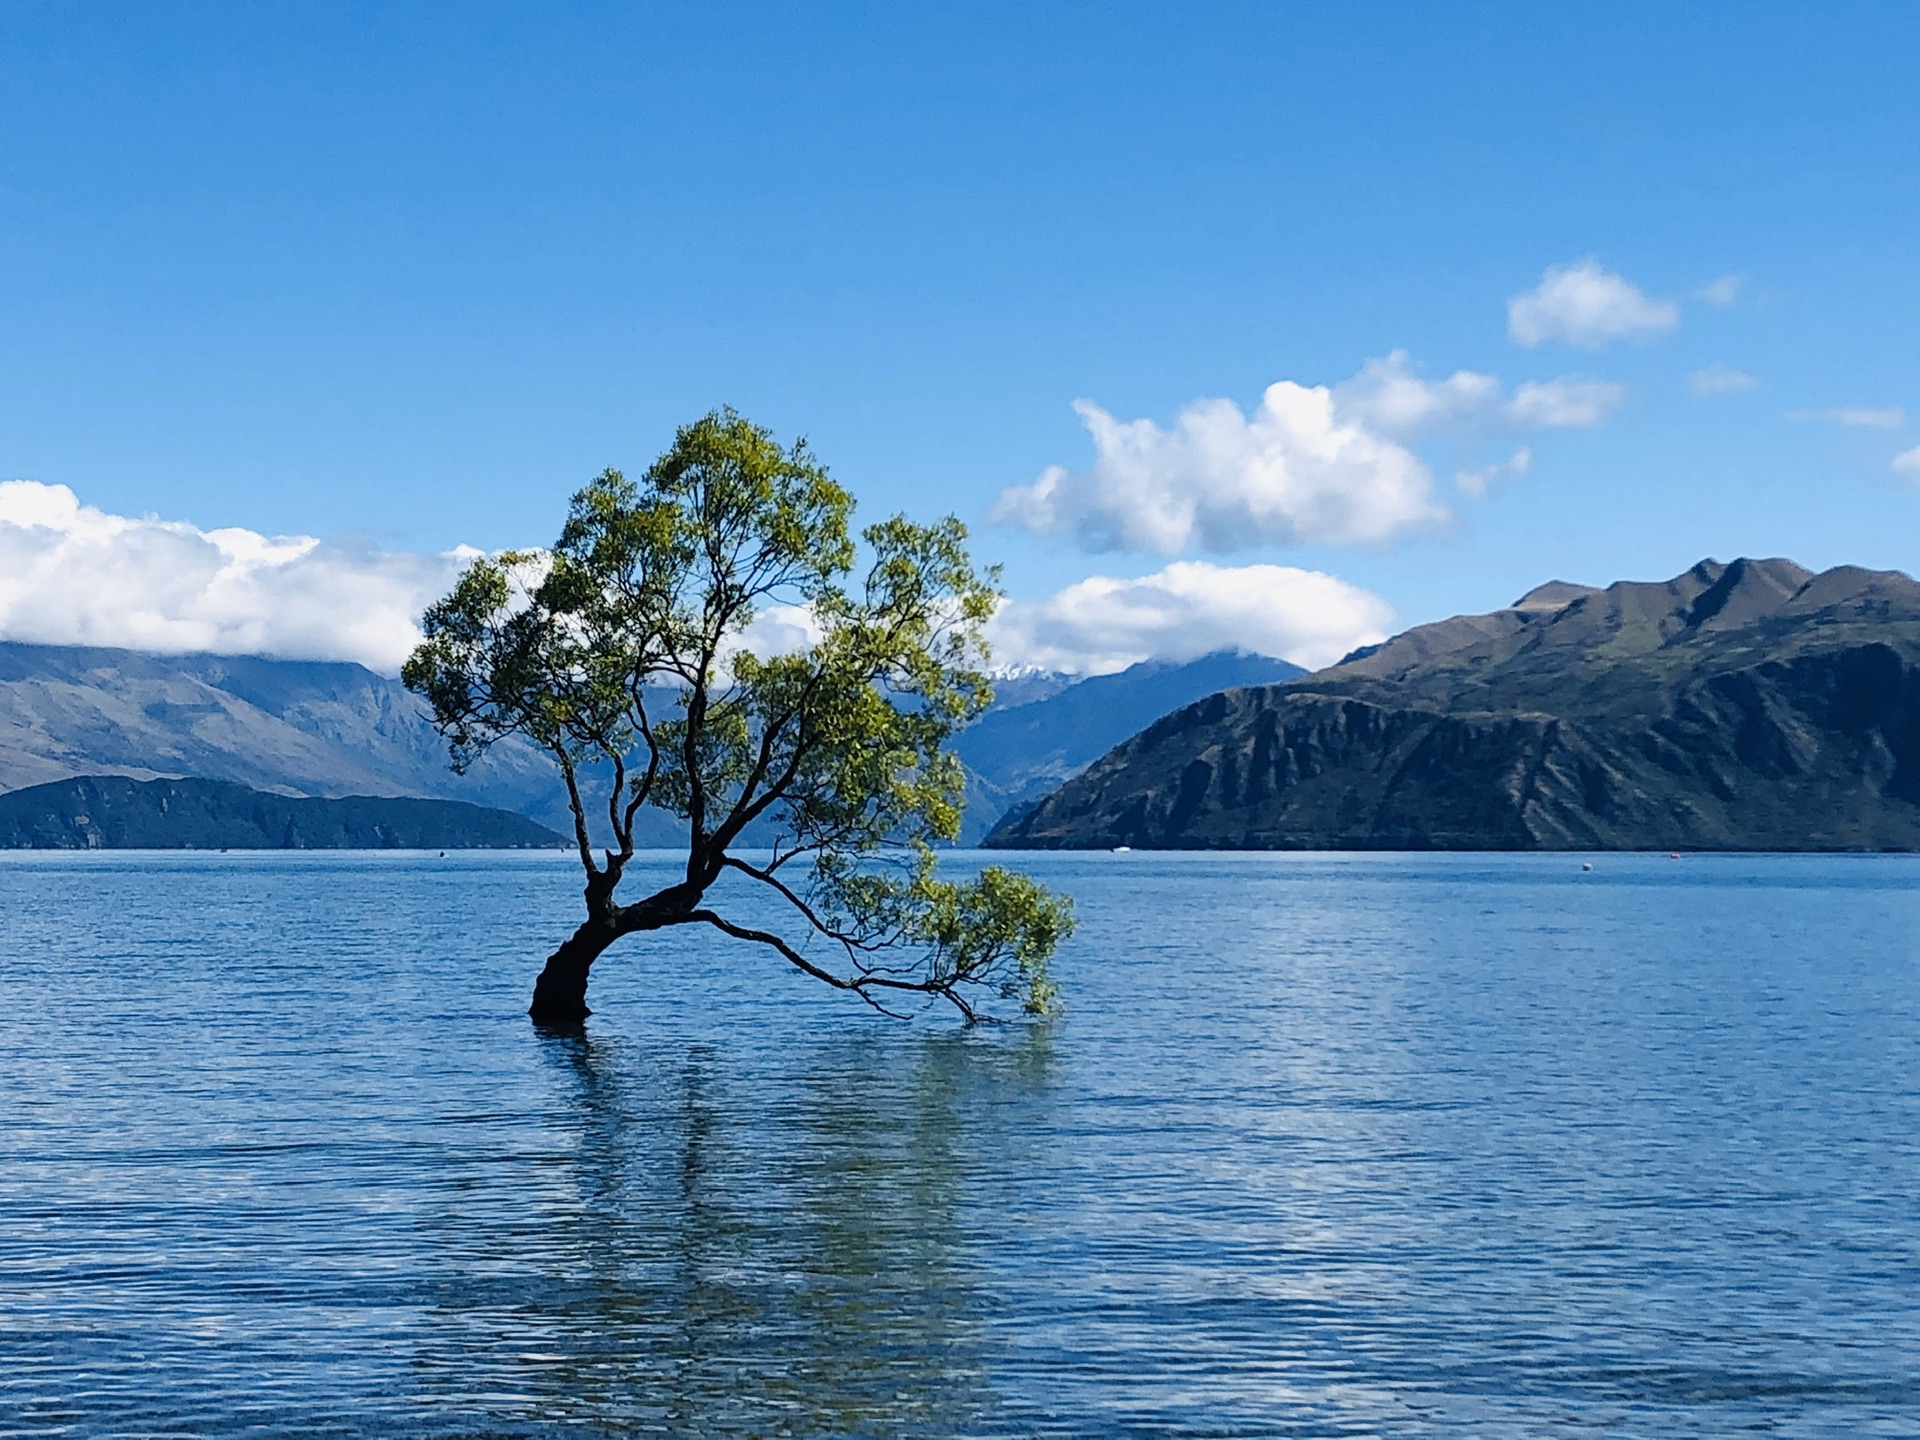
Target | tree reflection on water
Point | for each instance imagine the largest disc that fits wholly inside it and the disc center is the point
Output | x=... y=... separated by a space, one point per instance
x=719 y=1250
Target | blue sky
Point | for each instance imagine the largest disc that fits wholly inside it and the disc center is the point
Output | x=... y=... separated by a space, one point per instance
x=403 y=276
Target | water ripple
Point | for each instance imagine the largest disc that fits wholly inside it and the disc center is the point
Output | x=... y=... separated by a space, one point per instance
x=1326 y=1146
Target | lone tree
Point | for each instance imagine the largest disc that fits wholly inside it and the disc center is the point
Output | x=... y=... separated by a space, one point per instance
x=622 y=653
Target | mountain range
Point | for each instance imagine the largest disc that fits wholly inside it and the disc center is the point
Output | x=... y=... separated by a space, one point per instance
x=1752 y=705
x=329 y=729
x=1743 y=706
x=291 y=727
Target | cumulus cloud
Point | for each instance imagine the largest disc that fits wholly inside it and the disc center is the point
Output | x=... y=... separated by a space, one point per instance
x=1191 y=608
x=1312 y=465
x=1585 y=305
x=1723 y=292
x=1907 y=465
x=1296 y=471
x=1478 y=482
x=1388 y=396
x=74 y=575
x=1720 y=380
x=1569 y=403
x=1886 y=417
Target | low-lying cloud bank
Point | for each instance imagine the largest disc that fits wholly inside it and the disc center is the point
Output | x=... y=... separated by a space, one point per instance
x=1189 y=609
x=72 y=574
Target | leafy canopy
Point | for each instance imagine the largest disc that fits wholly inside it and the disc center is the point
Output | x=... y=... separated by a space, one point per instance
x=624 y=653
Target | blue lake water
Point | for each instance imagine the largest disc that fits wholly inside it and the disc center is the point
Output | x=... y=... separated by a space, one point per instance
x=1324 y=1145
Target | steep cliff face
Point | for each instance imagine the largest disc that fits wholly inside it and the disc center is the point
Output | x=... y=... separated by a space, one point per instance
x=1744 y=706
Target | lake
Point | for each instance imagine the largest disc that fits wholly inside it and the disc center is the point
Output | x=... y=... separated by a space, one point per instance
x=1324 y=1145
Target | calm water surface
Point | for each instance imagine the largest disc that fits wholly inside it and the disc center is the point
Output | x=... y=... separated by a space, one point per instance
x=1357 y=1145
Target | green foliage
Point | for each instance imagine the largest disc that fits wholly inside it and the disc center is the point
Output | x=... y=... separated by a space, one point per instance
x=622 y=652
x=997 y=930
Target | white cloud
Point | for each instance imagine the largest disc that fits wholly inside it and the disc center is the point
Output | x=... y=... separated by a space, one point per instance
x=1312 y=465
x=1389 y=397
x=1294 y=472
x=1720 y=380
x=1477 y=482
x=74 y=575
x=779 y=630
x=1907 y=465
x=1888 y=417
x=1190 y=608
x=1723 y=292
x=71 y=574
x=1569 y=403
x=1585 y=305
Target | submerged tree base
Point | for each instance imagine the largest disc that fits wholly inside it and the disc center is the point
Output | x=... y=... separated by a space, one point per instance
x=560 y=994
x=550 y=1014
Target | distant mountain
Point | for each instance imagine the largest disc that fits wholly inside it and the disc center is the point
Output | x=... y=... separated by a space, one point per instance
x=1747 y=706
x=1023 y=687
x=1021 y=749
x=333 y=729
x=112 y=812
x=299 y=727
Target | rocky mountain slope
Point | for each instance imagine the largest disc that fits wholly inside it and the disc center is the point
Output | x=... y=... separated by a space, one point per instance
x=1023 y=748
x=112 y=812
x=1745 y=706
x=297 y=727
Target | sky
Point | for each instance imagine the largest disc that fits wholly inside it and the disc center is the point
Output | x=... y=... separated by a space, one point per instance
x=1275 y=325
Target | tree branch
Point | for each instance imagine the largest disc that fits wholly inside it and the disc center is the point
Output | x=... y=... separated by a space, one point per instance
x=793 y=957
x=580 y=836
x=645 y=786
x=852 y=945
x=860 y=986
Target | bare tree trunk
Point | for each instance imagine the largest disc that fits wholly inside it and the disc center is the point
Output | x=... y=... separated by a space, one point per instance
x=560 y=994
